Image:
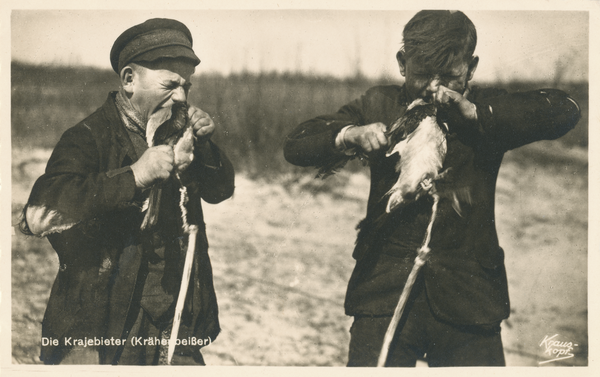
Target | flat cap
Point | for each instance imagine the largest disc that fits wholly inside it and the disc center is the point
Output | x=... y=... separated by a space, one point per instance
x=154 y=39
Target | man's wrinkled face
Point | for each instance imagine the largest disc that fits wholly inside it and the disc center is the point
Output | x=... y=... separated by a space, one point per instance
x=160 y=84
x=423 y=82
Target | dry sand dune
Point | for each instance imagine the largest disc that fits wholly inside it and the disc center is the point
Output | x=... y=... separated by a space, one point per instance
x=281 y=253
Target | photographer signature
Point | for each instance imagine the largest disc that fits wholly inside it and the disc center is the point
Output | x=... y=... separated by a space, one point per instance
x=556 y=349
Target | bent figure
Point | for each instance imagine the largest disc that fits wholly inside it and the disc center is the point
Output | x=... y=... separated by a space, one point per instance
x=113 y=299
x=460 y=296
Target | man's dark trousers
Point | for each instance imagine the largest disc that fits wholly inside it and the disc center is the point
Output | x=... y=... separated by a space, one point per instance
x=420 y=333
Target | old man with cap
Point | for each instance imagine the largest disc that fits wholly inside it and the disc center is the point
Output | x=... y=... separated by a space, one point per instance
x=113 y=300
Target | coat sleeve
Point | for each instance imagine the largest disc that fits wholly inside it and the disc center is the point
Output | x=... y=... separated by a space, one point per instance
x=507 y=121
x=215 y=178
x=312 y=143
x=73 y=189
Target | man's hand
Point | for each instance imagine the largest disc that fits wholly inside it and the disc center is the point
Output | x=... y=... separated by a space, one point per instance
x=450 y=97
x=369 y=138
x=154 y=166
x=203 y=125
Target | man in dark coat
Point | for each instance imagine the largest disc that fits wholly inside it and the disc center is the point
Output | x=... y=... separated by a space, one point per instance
x=454 y=312
x=114 y=296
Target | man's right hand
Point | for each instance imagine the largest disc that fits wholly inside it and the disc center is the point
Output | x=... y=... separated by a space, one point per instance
x=369 y=138
x=154 y=166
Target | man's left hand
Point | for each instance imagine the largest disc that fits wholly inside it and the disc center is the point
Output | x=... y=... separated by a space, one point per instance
x=203 y=125
x=450 y=97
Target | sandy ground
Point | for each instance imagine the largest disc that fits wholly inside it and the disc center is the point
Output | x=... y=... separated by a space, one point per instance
x=281 y=255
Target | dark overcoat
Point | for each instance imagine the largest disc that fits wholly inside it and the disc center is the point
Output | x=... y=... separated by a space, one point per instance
x=87 y=205
x=465 y=277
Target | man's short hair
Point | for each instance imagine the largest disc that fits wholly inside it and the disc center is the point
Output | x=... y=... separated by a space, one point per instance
x=434 y=38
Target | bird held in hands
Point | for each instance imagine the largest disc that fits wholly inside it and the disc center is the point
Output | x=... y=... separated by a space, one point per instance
x=421 y=143
x=178 y=133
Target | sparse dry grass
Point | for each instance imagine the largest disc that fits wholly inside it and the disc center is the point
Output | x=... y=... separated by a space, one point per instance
x=281 y=254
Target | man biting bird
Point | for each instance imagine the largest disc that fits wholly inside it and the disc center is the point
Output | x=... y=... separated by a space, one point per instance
x=177 y=133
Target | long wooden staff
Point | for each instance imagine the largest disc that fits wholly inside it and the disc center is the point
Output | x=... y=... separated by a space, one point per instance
x=420 y=260
x=192 y=231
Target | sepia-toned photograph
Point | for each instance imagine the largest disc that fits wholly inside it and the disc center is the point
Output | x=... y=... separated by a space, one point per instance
x=399 y=185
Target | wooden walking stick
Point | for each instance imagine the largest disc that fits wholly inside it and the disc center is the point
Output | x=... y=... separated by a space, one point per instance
x=422 y=257
x=420 y=140
x=192 y=231
x=177 y=132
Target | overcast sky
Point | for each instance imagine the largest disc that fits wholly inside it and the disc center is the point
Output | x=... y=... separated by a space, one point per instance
x=512 y=44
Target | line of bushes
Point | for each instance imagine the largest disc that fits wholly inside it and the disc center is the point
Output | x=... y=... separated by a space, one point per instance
x=253 y=112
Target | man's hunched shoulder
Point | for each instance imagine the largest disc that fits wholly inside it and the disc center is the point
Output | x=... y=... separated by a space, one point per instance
x=384 y=97
x=478 y=92
x=98 y=123
x=389 y=91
